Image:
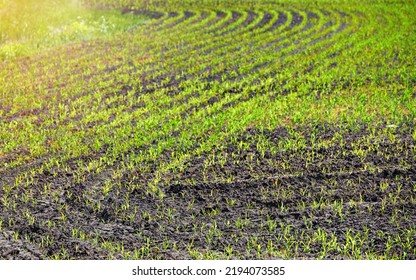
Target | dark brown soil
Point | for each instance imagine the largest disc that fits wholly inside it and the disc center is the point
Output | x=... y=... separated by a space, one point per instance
x=271 y=199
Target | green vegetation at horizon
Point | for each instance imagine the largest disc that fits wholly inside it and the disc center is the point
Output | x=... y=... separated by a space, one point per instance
x=30 y=26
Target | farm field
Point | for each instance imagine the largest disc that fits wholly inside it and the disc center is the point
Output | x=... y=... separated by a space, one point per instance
x=210 y=129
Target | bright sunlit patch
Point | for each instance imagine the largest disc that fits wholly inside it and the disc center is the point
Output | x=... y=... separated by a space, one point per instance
x=27 y=26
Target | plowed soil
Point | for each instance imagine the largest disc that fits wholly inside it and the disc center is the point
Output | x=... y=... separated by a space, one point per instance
x=273 y=207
